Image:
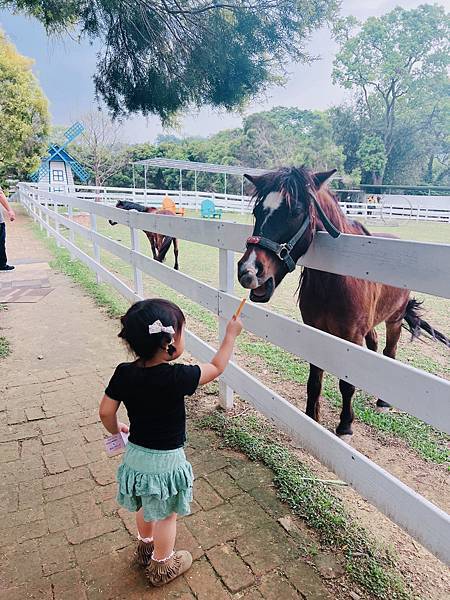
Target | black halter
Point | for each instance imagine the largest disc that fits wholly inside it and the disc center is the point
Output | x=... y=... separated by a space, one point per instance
x=283 y=251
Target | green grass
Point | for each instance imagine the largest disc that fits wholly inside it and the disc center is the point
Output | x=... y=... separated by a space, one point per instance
x=5 y=347
x=367 y=563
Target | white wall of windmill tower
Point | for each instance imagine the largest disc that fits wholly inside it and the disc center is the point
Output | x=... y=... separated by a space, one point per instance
x=58 y=177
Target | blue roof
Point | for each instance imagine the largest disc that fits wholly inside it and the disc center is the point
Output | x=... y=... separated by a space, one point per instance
x=56 y=152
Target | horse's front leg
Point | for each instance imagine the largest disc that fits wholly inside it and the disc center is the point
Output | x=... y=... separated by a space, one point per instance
x=175 y=251
x=347 y=415
x=313 y=392
x=151 y=239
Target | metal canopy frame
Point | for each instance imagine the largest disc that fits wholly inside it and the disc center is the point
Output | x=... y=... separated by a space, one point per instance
x=189 y=165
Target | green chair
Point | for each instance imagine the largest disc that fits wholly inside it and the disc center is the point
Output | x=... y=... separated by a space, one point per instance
x=209 y=211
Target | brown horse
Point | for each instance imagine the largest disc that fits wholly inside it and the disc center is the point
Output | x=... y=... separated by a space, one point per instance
x=159 y=243
x=291 y=204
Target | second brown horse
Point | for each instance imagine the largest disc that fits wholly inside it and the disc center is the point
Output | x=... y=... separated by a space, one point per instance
x=159 y=243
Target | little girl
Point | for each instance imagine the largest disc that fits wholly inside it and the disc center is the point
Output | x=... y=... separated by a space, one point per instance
x=155 y=479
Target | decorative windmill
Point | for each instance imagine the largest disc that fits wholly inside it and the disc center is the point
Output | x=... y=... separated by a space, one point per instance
x=57 y=169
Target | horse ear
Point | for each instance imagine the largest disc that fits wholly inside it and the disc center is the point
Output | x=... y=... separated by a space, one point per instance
x=321 y=178
x=253 y=179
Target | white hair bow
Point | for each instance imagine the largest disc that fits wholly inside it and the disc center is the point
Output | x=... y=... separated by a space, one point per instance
x=158 y=327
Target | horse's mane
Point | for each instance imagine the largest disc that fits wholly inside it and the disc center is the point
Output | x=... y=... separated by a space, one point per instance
x=330 y=205
x=293 y=182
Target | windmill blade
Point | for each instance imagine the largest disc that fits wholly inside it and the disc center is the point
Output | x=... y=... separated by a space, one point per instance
x=79 y=170
x=73 y=132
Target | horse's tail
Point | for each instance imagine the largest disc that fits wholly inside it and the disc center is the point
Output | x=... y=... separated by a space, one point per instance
x=164 y=248
x=416 y=324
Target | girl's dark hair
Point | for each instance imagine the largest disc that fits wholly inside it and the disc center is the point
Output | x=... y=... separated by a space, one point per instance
x=137 y=319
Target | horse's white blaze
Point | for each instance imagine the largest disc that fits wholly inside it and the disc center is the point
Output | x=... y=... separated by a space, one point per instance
x=271 y=203
x=250 y=263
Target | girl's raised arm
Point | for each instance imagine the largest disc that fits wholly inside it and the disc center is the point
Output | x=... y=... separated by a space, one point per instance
x=216 y=367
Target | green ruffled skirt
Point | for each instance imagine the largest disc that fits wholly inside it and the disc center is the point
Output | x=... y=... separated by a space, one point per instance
x=160 y=481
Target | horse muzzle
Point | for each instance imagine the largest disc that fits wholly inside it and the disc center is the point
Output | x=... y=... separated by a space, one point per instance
x=260 y=292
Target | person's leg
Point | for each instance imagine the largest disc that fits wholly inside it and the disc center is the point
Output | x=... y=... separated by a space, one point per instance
x=3 y=259
x=144 y=549
x=164 y=534
x=145 y=528
x=166 y=564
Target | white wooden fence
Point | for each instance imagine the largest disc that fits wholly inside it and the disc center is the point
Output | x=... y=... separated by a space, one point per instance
x=419 y=266
x=391 y=207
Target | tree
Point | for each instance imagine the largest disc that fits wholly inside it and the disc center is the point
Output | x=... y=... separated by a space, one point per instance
x=165 y=55
x=24 y=118
x=99 y=148
x=372 y=157
x=398 y=63
x=289 y=136
x=267 y=139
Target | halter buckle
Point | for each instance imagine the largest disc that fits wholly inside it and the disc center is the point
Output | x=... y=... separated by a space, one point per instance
x=283 y=251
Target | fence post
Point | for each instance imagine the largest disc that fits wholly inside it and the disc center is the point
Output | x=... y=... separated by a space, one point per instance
x=95 y=247
x=58 y=230
x=70 y=215
x=226 y=284
x=39 y=210
x=138 y=285
x=33 y=206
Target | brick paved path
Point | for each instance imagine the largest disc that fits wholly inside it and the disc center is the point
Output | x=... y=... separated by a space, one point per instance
x=62 y=536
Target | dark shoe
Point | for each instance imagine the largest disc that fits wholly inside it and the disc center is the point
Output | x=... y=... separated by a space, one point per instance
x=143 y=553
x=160 y=573
x=7 y=268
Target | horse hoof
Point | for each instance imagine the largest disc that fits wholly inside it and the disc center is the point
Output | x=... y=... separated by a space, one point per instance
x=347 y=438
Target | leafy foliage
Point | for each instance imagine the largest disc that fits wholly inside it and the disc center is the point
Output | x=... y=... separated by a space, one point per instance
x=266 y=139
x=163 y=56
x=24 y=118
x=397 y=63
x=372 y=156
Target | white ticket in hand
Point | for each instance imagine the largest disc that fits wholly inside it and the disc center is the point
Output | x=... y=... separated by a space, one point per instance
x=114 y=444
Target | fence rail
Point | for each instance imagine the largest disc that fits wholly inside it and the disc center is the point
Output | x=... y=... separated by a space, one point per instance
x=390 y=208
x=412 y=390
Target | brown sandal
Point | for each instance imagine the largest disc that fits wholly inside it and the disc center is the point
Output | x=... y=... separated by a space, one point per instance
x=159 y=573
x=143 y=553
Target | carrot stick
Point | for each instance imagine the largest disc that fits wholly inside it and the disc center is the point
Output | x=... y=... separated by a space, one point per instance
x=240 y=307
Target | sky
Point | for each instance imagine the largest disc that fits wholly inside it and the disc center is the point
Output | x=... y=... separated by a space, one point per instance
x=65 y=68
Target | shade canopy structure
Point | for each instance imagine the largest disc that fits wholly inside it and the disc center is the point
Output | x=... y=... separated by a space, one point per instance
x=196 y=167
x=189 y=165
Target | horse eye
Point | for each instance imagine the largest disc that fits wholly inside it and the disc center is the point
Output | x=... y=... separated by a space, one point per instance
x=296 y=210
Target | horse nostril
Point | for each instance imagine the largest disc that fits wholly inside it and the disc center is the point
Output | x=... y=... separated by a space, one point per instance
x=246 y=279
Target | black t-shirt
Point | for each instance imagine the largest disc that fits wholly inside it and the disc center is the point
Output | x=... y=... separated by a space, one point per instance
x=154 y=399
